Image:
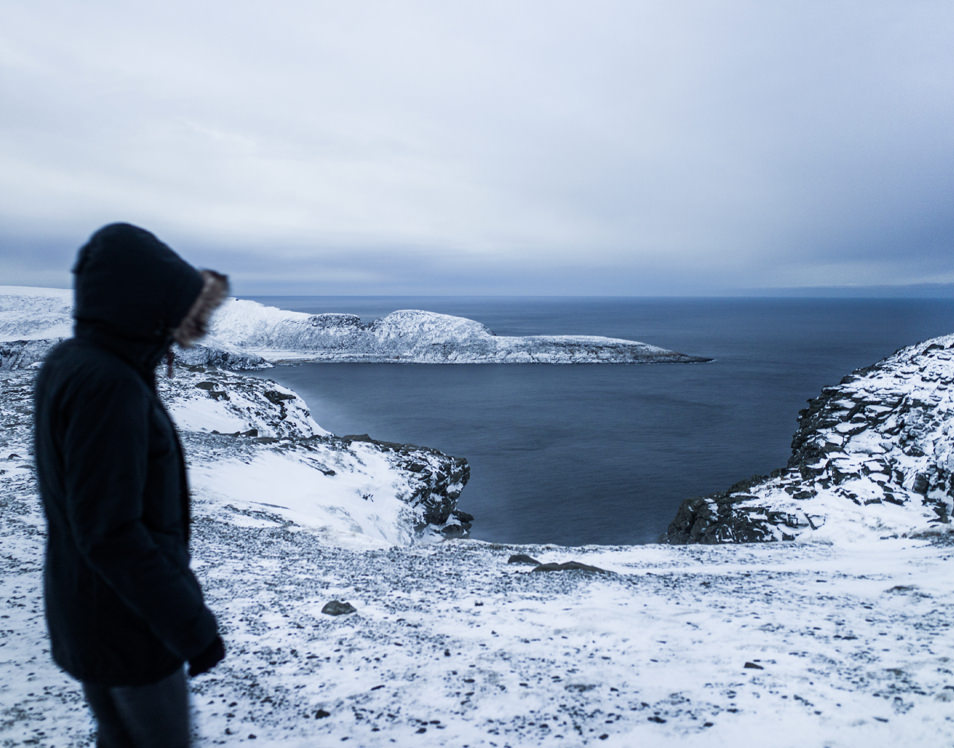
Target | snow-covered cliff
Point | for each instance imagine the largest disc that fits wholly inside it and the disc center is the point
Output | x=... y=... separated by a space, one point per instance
x=873 y=455
x=246 y=334
x=252 y=443
x=410 y=336
x=253 y=446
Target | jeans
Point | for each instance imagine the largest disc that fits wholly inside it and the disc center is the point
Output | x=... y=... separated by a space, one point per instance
x=155 y=715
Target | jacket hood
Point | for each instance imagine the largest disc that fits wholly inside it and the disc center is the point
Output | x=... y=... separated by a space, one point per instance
x=130 y=284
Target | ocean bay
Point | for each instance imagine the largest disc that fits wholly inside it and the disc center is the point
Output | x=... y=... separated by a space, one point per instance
x=604 y=453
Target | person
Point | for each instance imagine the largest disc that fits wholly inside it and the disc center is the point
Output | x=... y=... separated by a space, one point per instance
x=123 y=609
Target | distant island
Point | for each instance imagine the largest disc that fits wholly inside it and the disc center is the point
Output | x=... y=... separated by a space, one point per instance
x=246 y=334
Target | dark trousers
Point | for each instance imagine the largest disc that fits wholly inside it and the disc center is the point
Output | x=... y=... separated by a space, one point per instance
x=141 y=716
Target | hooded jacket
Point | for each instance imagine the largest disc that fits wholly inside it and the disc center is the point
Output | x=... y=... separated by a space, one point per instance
x=122 y=605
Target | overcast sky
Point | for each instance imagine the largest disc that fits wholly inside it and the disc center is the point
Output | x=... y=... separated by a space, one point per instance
x=525 y=146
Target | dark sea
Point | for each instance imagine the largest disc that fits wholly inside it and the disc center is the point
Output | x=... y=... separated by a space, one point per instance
x=605 y=453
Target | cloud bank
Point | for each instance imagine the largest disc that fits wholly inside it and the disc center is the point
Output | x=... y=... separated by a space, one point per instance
x=492 y=147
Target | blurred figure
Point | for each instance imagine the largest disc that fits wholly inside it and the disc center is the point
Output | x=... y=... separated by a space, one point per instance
x=123 y=608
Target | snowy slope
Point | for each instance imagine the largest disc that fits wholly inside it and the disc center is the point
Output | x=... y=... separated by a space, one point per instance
x=873 y=455
x=246 y=334
x=252 y=444
x=778 y=645
x=787 y=644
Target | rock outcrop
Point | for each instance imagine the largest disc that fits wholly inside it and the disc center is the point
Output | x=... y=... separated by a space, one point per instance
x=872 y=455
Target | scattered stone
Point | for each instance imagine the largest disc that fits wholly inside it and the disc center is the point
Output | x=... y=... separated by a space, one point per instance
x=579 y=687
x=523 y=558
x=338 y=608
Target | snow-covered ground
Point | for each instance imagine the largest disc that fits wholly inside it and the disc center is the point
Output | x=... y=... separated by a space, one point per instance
x=800 y=643
x=788 y=644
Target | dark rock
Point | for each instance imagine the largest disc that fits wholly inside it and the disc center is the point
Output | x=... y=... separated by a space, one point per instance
x=338 y=608
x=19 y=354
x=276 y=397
x=452 y=532
x=700 y=520
x=753 y=666
x=906 y=423
x=571 y=566
x=523 y=558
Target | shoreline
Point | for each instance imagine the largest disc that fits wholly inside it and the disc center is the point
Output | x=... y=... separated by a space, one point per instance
x=452 y=645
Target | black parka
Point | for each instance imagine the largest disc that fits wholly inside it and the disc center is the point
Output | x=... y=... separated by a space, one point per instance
x=122 y=605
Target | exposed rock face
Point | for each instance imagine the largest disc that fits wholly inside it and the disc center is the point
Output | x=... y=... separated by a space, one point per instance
x=20 y=354
x=434 y=484
x=874 y=454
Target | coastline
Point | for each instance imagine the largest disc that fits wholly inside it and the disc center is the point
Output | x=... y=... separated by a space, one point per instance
x=834 y=643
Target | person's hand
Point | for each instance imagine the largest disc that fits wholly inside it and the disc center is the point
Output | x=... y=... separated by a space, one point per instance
x=208 y=658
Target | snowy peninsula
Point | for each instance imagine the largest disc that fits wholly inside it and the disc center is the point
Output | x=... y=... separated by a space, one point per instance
x=246 y=334
x=840 y=637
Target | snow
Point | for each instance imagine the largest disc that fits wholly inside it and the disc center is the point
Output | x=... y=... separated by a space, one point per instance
x=48 y=317
x=246 y=334
x=408 y=335
x=227 y=403
x=452 y=646
x=841 y=639
x=357 y=506
x=873 y=457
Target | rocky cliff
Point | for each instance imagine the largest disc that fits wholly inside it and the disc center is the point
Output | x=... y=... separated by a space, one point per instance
x=872 y=455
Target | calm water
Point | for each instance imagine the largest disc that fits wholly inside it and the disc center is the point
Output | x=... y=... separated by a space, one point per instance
x=604 y=454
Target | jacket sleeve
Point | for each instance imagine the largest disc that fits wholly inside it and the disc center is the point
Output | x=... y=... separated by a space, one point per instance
x=105 y=458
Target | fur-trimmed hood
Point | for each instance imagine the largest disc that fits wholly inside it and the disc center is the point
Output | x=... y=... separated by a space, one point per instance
x=195 y=325
x=136 y=295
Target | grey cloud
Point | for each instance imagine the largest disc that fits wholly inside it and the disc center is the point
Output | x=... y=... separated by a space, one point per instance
x=535 y=147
